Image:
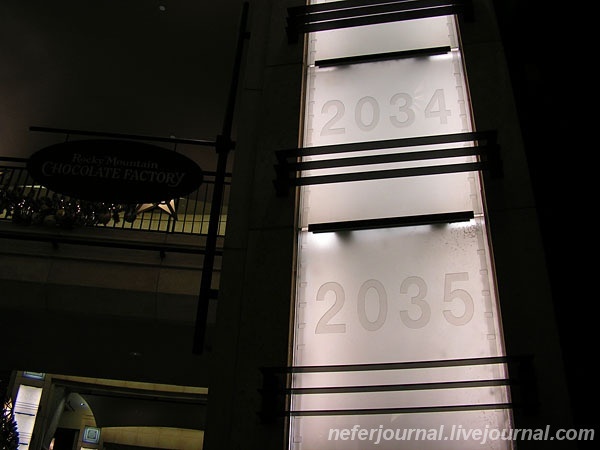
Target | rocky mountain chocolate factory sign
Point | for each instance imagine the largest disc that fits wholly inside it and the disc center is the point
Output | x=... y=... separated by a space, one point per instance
x=115 y=171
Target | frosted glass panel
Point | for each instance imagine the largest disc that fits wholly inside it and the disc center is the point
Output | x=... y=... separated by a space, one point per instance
x=424 y=431
x=26 y=408
x=388 y=198
x=395 y=295
x=382 y=38
x=386 y=100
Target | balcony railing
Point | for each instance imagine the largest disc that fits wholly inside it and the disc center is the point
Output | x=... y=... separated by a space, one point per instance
x=23 y=201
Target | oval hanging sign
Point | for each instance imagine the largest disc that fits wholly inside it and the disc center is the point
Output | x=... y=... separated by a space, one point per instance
x=114 y=171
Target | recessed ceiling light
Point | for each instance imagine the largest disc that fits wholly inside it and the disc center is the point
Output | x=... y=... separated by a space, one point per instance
x=162 y=7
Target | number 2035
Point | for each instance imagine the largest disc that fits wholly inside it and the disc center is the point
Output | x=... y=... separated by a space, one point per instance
x=458 y=311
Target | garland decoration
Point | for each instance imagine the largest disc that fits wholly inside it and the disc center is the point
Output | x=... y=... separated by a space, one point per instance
x=9 y=434
x=59 y=211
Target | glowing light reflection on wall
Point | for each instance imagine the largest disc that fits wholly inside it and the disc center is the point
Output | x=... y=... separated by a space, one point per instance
x=26 y=408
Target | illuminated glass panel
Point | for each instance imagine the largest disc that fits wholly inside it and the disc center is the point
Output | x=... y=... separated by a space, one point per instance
x=26 y=408
x=392 y=37
x=387 y=100
x=397 y=295
x=382 y=38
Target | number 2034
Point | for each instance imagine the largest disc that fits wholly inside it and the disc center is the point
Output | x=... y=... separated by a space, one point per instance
x=458 y=304
x=368 y=111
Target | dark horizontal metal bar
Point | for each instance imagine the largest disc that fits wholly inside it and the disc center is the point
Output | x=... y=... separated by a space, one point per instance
x=393 y=173
x=12 y=159
x=53 y=239
x=332 y=6
x=213 y=174
x=206 y=173
x=390 y=222
x=390 y=366
x=413 y=410
x=473 y=136
x=360 y=59
x=387 y=158
x=377 y=19
x=346 y=4
x=138 y=137
x=126 y=392
x=311 y=15
x=398 y=387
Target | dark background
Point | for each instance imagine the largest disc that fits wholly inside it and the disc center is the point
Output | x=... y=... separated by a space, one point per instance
x=545 y=47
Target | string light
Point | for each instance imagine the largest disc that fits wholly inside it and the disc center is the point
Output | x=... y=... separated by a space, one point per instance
x=57 y=210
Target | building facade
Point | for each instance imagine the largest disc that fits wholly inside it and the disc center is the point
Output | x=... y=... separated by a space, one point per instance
x=381 y=264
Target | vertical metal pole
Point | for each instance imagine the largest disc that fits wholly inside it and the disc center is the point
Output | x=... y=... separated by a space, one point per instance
x=224 y=145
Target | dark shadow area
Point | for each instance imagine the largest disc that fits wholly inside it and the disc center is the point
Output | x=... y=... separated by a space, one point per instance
x=543 y=47
x=65 y=438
